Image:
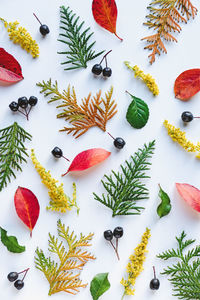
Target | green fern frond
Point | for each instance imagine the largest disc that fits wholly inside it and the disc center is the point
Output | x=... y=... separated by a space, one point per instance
x=12 y=152
x=65 y=275
x=76 y=38
x=125 y=189
x=185 y=274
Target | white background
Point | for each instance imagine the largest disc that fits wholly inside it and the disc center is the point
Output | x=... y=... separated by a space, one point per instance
x=170 y=163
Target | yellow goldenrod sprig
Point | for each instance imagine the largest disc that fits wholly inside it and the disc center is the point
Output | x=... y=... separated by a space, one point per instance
x=135 y=265
x=146 y=78
x=59 y=202
x=20 y=35
x=179 y=136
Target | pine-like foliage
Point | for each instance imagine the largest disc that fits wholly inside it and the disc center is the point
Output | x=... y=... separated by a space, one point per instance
x=125 y=189
x=93 y=111
x=12 y=152
x=165 y=17
x=185 y=274
x=79 y=50
x=65 y=274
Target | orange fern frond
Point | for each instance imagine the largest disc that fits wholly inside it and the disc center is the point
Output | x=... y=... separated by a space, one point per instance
x=164 y=17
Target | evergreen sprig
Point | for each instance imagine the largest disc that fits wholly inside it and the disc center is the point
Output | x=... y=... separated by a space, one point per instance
x=79 y=50
x=125 y=189
x=12 y=152
x=185 y=274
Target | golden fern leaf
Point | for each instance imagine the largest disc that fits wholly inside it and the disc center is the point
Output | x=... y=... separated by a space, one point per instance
x=65 y=275
x=164 y=17
x=93 y=111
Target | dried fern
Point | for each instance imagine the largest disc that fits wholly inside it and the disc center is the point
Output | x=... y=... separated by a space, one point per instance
x=164 y=18
x=93 y=111
x=65 y=274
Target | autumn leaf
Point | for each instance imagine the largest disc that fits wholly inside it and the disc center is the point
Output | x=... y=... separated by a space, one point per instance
x=27 y=207
x=105 y=14
x=88 y=159
x=190 y=194
x=187 y=84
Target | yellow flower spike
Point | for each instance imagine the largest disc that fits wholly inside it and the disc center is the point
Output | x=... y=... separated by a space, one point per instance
x=146 y=78
x=19 y=35
x=59 y=200
x=135 y=265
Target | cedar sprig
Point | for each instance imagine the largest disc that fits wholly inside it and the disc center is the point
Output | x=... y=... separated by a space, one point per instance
x=12 y=152
x=79 y=50
x=125 y=189
x=64 y=273
x=165 y=17
x=93 y=110
x=185 y=274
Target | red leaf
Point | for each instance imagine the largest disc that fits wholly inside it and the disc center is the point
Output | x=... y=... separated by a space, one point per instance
x=88 y=159
x=187 y=84
x=27 y=207
x=105 y=14
x=190 y=194
x=10 y=69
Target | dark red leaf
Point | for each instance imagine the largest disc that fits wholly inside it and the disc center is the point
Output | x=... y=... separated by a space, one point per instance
x=105 y=14
x=187 y=84
x=27 y=207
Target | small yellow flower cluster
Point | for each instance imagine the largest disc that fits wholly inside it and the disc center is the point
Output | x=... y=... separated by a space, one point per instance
x=135 y=266
x=147 y=78
x=59 y=200
x=21 y=36
x=179 y=136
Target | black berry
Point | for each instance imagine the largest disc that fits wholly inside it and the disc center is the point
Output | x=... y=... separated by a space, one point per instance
x=107 y=72
x=187 y=116
x=118 y=232
x=12 y=276
x=119 y=143
x=154 y=284
x=108 y=235
x=33 y=101
x=44 y=29
x=23 y=102
x=57 y=152
x=19 y=284
x=97 y=69
x=14 y=106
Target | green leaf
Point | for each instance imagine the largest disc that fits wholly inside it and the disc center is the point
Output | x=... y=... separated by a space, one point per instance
x=138 y=113
x=99 y=285
x=164 y=207
x=11 y=242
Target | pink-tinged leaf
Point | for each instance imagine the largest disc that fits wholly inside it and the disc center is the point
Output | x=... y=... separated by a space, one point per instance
x=8 y=77
x=27 y=207
x=187 y=84
x=190 y=194
x=88 y=159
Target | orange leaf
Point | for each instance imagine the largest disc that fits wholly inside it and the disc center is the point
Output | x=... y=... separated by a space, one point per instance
x=190 y=194
x=187 y=84
x=88 y=159
x=105 y=14
x=27 y=207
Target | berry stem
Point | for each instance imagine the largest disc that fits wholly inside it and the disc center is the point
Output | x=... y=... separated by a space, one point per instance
x=26 y=271
x=110 y=135
x=196 y=117
x=104 y=57
x=26 y=114
x=115 y=250
x=154 y=272
x=22 y=112
x=65 y=158
x=29 y=110
x=37 y=18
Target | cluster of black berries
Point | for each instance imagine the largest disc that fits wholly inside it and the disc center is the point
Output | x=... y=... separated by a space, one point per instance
x=23 y=103
x=187 y=116
x=13 y=277
x=97 y=68
x=44 y=29
x=117 y=233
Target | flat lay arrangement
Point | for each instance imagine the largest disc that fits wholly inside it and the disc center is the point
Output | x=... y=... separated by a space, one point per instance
x=99 y=150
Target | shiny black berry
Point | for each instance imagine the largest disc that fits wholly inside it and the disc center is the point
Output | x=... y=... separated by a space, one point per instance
x=14 y=106
x=118 y=232
x=107 y=72
x=57 y=152
x=33 y=101
x=108 y=235
x=154 y=284
x=12 y=276
x=97 y=69
x=119 y=143
x=44 y=29
x=23 y=102
x=187 y=116
x=19 y=284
